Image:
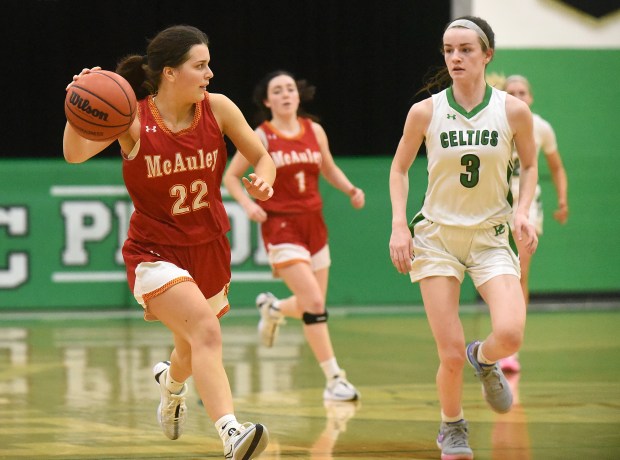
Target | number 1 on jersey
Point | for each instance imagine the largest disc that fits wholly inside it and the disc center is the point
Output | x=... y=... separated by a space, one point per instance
x=301 y=181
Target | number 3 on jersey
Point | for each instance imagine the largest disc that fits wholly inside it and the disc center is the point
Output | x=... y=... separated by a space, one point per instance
x=472 y=166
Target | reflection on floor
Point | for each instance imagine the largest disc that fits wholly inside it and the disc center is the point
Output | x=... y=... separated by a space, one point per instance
x=80 y=387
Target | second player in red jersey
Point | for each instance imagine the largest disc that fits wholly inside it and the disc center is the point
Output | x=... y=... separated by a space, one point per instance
x=292 y=222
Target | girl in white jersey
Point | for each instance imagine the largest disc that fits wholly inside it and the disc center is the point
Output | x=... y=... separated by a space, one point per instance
x=544 y=137
x=463 y=226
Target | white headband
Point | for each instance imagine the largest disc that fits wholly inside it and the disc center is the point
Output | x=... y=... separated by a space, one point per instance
x=470 y=25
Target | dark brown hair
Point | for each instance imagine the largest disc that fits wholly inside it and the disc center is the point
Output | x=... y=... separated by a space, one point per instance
x=440 y=77
x=305 y=90
x=169 y=48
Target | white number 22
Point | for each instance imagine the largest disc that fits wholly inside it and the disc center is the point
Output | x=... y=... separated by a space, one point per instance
x=198 y=188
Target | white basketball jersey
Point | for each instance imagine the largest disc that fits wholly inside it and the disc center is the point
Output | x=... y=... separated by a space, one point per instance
x=469 y=162
x=544 y=138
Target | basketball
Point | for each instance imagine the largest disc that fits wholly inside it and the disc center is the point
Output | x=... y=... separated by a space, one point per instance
x=100 y=105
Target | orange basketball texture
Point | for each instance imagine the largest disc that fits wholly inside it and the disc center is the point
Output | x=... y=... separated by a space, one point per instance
x=100 y=105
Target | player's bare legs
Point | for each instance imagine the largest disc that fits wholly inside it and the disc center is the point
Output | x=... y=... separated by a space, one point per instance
x=441 y=302
x=504 y=297
x=309 y=290
x=198 y=345
x=308 y=304
x=510 y=362
x=525 y=259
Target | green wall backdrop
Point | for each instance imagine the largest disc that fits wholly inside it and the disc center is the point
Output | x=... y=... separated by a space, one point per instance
x=60 y=236
x=62 y=227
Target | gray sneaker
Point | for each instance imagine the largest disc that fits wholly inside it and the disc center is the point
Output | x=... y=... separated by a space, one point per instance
x=270 y=318
x=452 y=440
x=495 y=387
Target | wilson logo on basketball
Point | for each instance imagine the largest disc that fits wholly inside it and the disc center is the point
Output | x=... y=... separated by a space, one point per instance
x=84 y=105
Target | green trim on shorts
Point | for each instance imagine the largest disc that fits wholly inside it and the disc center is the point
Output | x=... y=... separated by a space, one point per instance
x=417 y=218
x=512 y=242
x=510 y=172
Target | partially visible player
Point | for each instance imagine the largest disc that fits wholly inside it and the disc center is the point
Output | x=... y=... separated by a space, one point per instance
x=544 y=136
x=292 y=224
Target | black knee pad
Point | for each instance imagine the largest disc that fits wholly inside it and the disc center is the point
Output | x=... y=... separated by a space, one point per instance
x=310 y=318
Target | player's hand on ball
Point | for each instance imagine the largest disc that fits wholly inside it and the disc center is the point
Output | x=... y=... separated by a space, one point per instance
x=84 y=71
x=100 y=105
x=257 y=187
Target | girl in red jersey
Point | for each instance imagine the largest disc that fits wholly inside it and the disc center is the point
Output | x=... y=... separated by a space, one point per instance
x=177 y=253
x=292 y=227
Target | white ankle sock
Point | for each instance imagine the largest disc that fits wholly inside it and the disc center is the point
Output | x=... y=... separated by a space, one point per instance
x=224 y=426
x=483 y=359
x=330 y=368
x=456 y=418
x=173 y=386
x=275 y=309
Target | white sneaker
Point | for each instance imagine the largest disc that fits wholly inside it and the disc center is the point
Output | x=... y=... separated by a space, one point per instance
x=172 y=411
x=246 y=442
x=340 y=389
x=270 y=318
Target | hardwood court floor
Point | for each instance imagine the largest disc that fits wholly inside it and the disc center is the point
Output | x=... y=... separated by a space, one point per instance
x=79 y=386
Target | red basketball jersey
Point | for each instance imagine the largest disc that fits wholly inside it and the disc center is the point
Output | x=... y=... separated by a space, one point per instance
x=298 y=163
x=174 y=179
